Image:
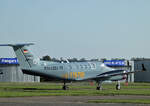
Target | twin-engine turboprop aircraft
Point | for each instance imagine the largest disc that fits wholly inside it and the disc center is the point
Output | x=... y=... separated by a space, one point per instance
x=74 y=71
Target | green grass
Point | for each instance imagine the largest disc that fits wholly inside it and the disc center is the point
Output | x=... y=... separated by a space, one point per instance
x=136 y=101
x=76 y=89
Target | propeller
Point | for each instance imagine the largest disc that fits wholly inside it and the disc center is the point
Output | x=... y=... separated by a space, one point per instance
x=143 y=67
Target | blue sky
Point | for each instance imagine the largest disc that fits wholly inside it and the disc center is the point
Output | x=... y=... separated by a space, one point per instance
x=77 y=28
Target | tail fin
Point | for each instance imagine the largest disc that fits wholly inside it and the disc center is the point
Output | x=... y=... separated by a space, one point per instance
x=23 y=55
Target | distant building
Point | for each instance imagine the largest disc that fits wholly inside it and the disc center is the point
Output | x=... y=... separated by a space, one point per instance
x=11 y=72
x=138 y=65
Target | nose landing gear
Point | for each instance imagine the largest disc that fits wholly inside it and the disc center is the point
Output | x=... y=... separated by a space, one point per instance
x=99 y=87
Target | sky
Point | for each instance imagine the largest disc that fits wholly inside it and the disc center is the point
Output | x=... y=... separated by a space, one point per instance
x=77 y=28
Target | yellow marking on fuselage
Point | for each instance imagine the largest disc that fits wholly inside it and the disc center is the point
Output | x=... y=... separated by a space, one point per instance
x=70 y=75
x=82 y=74
x=74 y=75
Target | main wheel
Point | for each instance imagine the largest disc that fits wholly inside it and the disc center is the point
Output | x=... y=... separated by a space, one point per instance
x=65 y=88
x=98 y=88
x=118 y=87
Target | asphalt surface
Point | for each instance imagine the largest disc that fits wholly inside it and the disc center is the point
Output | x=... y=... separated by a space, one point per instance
x=67 y=101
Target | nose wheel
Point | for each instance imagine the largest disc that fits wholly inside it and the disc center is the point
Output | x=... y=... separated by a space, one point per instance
x=99 y=87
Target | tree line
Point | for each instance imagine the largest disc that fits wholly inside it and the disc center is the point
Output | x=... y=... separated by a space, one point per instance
x=48 y=58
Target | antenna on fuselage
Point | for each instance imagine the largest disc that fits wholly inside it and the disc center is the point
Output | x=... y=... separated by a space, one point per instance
x=64 y=59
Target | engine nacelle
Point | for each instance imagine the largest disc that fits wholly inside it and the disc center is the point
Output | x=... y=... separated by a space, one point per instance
x=119 y=77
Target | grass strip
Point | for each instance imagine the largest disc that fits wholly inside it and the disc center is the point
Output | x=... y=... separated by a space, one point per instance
x=76 y=89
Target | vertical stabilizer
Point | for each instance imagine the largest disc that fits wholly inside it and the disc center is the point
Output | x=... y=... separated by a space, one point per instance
x=24 y=57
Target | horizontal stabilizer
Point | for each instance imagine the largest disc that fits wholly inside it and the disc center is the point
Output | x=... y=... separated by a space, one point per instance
x=19 y=45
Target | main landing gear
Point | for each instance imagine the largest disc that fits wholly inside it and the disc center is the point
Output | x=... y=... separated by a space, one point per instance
x=99 y=87
x=65 y=87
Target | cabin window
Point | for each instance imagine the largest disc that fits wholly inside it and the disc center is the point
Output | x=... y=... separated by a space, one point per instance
x=81 y=66
x=70 y=67
x=60 y=67
x=86 y=67
x=93 y=65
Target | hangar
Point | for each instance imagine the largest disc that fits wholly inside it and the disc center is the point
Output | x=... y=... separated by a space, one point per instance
x=137 y=64
x=11 y=72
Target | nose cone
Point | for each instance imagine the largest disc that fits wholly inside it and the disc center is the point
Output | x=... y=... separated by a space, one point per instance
x=124 y=77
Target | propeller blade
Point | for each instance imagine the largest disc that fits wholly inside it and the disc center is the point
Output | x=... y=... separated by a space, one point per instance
x=143 y=67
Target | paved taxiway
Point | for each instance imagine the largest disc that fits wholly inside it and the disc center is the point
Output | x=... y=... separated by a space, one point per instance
x=67 y=101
